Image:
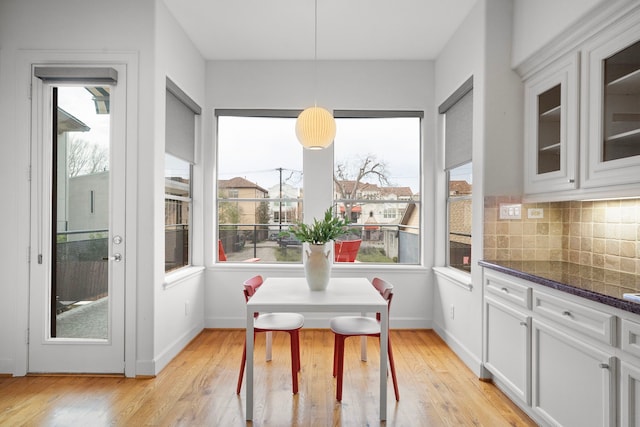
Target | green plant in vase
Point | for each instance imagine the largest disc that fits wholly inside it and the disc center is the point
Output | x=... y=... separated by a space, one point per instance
x=317 y=255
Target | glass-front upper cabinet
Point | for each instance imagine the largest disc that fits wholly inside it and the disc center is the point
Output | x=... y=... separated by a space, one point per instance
x=611 y=107
x=551 y=127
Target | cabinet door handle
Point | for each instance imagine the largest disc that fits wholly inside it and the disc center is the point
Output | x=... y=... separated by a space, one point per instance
x=523 y=323
x=604 y=365
x=566 y=313
x=571 y=180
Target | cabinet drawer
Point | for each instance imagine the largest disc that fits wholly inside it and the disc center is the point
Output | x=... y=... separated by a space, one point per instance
x=507 y=290
x=588 y=321
x=630 y=337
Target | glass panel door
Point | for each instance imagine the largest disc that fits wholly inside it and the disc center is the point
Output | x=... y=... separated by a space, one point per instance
x=79 y=286
x=621 y=113
x=549 y=119
x=77 y=282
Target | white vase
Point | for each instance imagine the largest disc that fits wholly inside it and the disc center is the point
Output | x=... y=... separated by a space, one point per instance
x=317 y=261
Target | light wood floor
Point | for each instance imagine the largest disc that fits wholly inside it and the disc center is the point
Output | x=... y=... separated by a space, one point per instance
x=198 y=389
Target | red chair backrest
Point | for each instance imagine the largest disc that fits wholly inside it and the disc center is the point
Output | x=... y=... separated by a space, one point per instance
x=346 y=250
x=386 y=290
x=221 y=255
x=251 y=286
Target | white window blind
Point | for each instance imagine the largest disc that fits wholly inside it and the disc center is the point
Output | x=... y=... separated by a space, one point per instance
x=180 y=124
x=458 y=109
x=96 y=75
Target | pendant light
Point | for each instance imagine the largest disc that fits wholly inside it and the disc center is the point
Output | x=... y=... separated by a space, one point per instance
x=315 y=126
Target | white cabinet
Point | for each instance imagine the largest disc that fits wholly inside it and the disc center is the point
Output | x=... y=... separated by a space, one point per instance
x=629 y=395
x=507 y=326
x=560 y=357
x=551 y=127
x=611 y=106
x=582 y=111
x=573 y=382
x=507 y=351
x=630 y=373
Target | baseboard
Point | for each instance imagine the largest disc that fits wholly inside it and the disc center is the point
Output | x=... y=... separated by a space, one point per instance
x=468 y=358
x=162 y=360
x=6 y=367
x=317 y=321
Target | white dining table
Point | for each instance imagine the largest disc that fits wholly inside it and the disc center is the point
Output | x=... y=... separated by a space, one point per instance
x=343 y=295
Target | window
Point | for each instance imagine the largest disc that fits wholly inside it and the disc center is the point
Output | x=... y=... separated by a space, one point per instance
x=458 y=111
x=459 y=216
x=180 y=127
x=259 y=185
x=377 y=183
x=177 y=211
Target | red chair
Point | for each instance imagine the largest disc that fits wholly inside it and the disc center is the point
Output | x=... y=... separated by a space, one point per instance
x=351 y=326
x=272 y=322
x=222 y=257
x=346 y=250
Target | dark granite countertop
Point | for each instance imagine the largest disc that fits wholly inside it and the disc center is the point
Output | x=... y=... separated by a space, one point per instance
x=597 y=284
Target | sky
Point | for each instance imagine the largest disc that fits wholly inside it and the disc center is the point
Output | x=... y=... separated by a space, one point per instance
x=396 y=141
x=78 y=102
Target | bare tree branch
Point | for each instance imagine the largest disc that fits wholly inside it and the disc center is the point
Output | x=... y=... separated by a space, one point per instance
x=349 y=178
x=84 y=158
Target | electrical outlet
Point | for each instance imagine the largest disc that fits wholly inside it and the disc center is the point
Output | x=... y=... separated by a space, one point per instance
x=510 y=211
x=535 y=213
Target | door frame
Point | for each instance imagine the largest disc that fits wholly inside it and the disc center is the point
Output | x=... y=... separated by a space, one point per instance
x=24 y=119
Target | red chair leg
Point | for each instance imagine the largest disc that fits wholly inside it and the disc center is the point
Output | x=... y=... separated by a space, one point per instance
x=335 y=355
x=294 y=360
x=393 y=370
x=340 y=358
x=298 y=350
x=244 y=360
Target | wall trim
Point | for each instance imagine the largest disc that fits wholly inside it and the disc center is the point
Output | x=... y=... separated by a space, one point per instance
x=467 y=357
x=318 y=322
x=169 y=353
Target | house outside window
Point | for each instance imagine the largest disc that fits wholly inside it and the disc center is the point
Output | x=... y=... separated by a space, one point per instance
x=259 y=185
x=177 y=212
x=377 y=175
x=459 y=216
x=458 y=118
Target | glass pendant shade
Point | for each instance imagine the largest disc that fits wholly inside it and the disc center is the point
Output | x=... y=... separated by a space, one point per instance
x=315 y=128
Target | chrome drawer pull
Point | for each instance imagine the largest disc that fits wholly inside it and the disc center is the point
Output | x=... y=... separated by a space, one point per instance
x=566 y=313
x=505 y=290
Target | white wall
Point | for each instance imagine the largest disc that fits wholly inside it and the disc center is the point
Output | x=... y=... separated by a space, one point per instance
x=462 y=57
x=480 y=48
x=537 y=22
x=179 y=302
x=156 y=324
x=386 y=85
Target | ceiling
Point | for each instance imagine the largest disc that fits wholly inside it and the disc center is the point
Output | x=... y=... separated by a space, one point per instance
x=347 y=29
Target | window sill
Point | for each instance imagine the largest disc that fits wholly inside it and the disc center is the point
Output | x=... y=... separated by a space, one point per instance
x=176 y=277
x=457 y=277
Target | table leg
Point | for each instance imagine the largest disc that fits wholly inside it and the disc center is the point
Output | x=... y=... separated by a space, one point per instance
x=363 y=345
x=268 y=341
x=384 y=344
x=249 y=375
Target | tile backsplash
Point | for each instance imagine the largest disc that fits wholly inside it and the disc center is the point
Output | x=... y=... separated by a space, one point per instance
x=603 y=234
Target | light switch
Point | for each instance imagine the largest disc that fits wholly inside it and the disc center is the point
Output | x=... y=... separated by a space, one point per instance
x=510 y=211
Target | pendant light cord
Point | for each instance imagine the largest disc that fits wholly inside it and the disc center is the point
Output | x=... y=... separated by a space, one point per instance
x=315 y=55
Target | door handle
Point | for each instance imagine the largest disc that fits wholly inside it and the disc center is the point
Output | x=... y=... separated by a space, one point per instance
x=115 y=257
